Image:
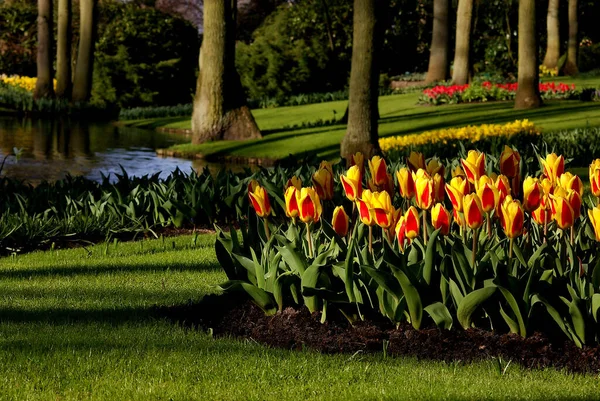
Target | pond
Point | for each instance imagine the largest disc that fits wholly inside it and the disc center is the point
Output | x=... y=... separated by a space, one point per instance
x=52 y=149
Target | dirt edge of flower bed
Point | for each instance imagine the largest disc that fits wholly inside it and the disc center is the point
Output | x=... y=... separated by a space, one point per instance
x=296 y=329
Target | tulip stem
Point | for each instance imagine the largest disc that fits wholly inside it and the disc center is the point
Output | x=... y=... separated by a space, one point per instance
x=371 y=240
x=489 y=225
x=572 y=235
x=309 y=240
x=510 y=252
x=425 y=226
x=545 y=225
x=267 y=231
x=474 y=247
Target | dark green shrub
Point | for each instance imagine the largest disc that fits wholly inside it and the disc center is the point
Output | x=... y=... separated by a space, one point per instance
x=589 y=57
x=18 y=38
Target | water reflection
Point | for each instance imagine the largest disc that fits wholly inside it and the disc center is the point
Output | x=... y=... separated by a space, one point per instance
x=53 y=149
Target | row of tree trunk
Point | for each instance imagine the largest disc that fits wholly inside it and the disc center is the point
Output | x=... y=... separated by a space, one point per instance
x=78 y=87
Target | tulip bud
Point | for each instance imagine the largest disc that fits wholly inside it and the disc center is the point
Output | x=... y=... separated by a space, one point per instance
x=509 y=162
x=459 y=172
x=541 y=216
x=309 y=205
x=562 y=212
x=260 y=201
x=252 y=186
x=423 y=190
x=352 y=183
x=291 y=202
x=554 y=166
x=323 y=183
x=358 y=159
x=439 y=187
x=381 y=203
x=378 y=169
x=440 y=218
x=412 y=223
x=488 y=193
x=594 y=215
x=406 y=184
x=532 y=194
x=435 y=167
x=456 y=190
x=474 y=165
x=503 y=187
x=595 y=177
x=547 y=190
x=473 y=211
x=365 y=210
x=340 y=221
x=570 y=181
x=512 y=218
x=415 y=161
x=294 y=182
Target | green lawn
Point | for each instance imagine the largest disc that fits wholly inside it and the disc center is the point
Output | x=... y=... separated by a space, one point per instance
x=77 y=324
x=399 y=115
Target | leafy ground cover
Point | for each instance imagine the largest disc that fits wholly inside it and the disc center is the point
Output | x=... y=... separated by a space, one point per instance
x=78 y=324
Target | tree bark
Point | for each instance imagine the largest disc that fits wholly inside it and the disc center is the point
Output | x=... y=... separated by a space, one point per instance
x=571 y=63
x=361 y=134
x=82 y=83
x=44 y=86
x=528 y=92
x=220 y=110
x=438 y=55
x=63 y=53
x=464 y=22
x=553 y=27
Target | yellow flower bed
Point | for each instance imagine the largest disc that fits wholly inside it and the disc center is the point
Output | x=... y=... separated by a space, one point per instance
x=27 y=83
x=467 y=134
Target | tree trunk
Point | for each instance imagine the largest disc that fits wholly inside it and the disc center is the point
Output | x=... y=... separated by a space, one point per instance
x=220 y=110
x=82 y=83
x=528 y=92
x=464 y=21
x=438 y=55
x=44 y=86
x=553 y=45
x=63 y=53
x=571 y=64
x=362 y=135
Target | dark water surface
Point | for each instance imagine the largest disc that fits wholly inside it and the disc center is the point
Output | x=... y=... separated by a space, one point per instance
x=53 y=149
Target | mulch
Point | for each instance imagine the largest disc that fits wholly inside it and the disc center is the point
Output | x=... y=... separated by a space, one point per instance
x=297 y=329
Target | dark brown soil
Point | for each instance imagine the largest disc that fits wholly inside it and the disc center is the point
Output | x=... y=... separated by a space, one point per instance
x=295 y=329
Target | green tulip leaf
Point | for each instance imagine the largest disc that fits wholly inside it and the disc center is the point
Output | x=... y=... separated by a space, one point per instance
x=440 y=315
x=429 y=256
x=470 y=303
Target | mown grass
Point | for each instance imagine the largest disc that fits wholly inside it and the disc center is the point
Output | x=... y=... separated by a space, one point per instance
x=400 y=115
x=78 y=324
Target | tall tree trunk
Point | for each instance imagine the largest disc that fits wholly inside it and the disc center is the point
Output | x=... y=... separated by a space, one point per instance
x=438 y=55
x=63 y=52
x=571 y=64
x=44 y=86
x=220 y=110
x=553 y=45
x=528 y=92
x=362 y=135
x=464 y=22
x=82 y=83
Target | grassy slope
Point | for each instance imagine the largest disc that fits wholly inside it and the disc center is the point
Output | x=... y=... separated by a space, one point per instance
x=399 y=115
x=75 y=324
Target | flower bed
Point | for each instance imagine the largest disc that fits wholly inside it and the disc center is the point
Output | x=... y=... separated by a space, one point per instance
x=487 y=91
x=477 y=247
x=27 y=83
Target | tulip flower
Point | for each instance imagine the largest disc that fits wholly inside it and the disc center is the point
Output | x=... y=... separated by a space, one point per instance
x=440 y=218
x=458 y=172
x=365 y=210
x=570 y=181
x=473 y=211
x=309 y=205
x=595 y=178
x=456 y=190
x=252 y=186
x=378 y=169
x=435 y=167
x=407 y=227
x=259 y=199
x=415 y=161
x=594 y=215
x=474 y=165
x=547 y=190
x=532 y=194
x=406 y=184
x=352 y=183
x=562 y=212
x=438 y=188
x=488 y=193
x=358 y=159
x=512 y=218
x=381 y=204
x=340 y=221
x=554 y=166
x=541 y=216
x=294 y=182
x=503 y=186
x=423 y=189
x=458 y=218
x=509 y=162
x=323 y=183
x=291 y=202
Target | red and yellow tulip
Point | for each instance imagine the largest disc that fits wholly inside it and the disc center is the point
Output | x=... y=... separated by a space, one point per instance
x=562 y=211
x=383 y=211
x=595 y=178
x=571 y=181
x=340 y=221
x=474 y=165
x=594 y=215
x=291 y=201
x=456 y=190
x=473 y=211
x=309 y=205
x=541 y=216
x=532 y=194
x=406 y=184
x=415 y=161
x=512 y=217
x=441 y=218
x=435 y=167
x=358 y=159
x=423 y=189
x=503 y=186
x=553 y=166
x=294 y=182
x=323 y=181
x=378 y=169
x=408 y=227
x=488 y=193
x=365 y=210
x=439 y=187
x=259 y=198
x=352 y=183
x=509 y=162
